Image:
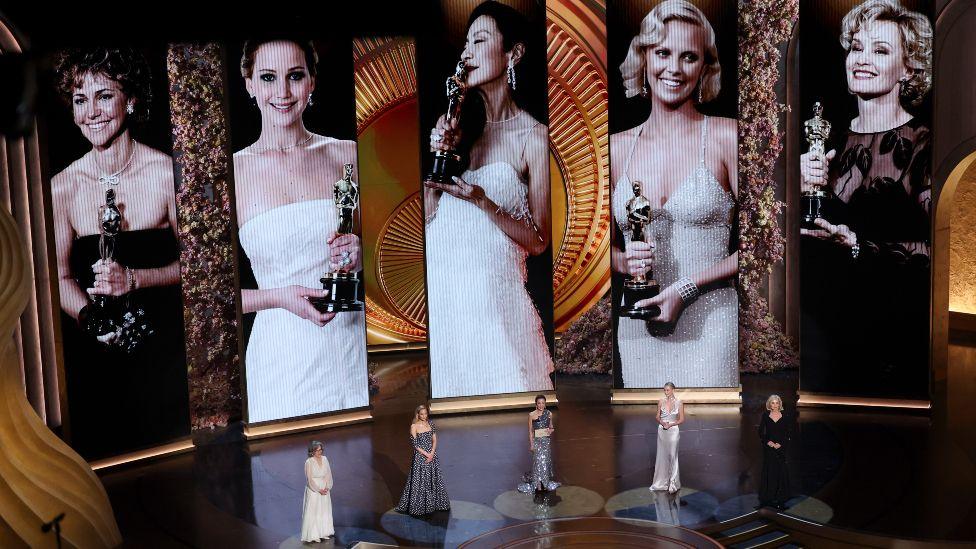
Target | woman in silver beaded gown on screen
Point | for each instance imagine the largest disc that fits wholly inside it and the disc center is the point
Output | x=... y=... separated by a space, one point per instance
x=541 y=428
x=694 y=341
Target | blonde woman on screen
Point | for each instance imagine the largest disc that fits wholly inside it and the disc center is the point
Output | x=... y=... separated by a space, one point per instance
x=299 y=361
x=686 y=164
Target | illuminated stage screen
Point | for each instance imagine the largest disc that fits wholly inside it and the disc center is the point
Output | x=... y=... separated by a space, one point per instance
x=865 y=268
x=117 y=249
x=293 y=130
x=674 y=176
x=488 y=251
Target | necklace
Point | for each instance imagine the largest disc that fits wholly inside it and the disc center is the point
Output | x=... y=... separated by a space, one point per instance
x=283 y=149
x=509 y=119
x=113 y=179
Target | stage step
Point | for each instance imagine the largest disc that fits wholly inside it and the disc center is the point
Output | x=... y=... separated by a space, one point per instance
x=767 y=540
x=752 y=532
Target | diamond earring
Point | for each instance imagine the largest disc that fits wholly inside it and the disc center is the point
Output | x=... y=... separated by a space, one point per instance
x=511 y=74
x=130 y=108
x=310 y=102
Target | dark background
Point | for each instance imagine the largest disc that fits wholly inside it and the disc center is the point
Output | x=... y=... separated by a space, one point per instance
x=437 y=56
x=623 y=23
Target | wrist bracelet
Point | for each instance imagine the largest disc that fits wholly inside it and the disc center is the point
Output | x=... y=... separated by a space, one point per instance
x=130 y=278
x=687 y=289
x=855 y=250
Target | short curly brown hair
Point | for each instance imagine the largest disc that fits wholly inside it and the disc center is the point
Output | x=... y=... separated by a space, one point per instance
x=126 y=66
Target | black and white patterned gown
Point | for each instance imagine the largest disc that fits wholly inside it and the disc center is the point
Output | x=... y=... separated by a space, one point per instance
x=425 y=491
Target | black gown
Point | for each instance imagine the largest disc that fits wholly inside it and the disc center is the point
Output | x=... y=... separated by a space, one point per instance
x=119 y=402
x=774 y=484
x=425 y=491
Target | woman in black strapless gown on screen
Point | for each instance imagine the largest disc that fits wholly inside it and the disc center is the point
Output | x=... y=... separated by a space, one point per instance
x=122 y=394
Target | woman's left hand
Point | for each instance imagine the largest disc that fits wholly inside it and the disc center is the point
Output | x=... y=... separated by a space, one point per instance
x=841 y=234
x=346 y=253
x=460 y=189
x=551 y=431
x=670 y=302
x=110 y=279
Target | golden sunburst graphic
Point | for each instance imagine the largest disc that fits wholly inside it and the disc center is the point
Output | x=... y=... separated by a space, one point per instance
x=578 y=138
x=400 y=261
x=393 y=227
x=386 y=88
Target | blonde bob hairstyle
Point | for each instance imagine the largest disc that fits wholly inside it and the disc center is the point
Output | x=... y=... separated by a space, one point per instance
x=652 y=32
x=916 y=41
x=771 y=400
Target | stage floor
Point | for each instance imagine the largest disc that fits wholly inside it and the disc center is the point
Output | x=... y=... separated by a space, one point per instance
x=900 y=474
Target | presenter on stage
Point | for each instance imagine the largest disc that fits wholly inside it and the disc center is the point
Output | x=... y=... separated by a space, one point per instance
x=670 y=414
x=541 y=428
x=317 y=505
x=774 y=432
x=425 y=492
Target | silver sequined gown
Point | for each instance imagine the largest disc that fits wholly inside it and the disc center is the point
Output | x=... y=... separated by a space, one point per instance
x=691 y=233
x=666 y=472
x=541 y=476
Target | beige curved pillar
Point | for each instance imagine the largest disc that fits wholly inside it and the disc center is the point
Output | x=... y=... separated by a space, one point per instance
x=40 y=476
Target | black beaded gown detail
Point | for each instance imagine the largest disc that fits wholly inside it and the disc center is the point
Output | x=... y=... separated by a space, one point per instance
x=118 y=401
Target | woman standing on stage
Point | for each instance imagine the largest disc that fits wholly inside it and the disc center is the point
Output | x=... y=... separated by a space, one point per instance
x=670 y=414
x=541 y=428
x=425 y=491
x=317 y=506
x=774 y=432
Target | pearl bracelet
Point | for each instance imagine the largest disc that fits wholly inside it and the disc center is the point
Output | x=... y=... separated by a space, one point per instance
x=687 y=289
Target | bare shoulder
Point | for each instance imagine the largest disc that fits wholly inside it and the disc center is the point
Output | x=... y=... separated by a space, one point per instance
x=64 y=182
x=537 y=136
x=342 y=149
x=724 y=130
x=157 y=162
x=620 y=142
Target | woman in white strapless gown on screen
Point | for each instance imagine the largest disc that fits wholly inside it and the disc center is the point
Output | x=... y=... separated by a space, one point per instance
x=686 y=166
x=298 y=361
x=484 y=330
